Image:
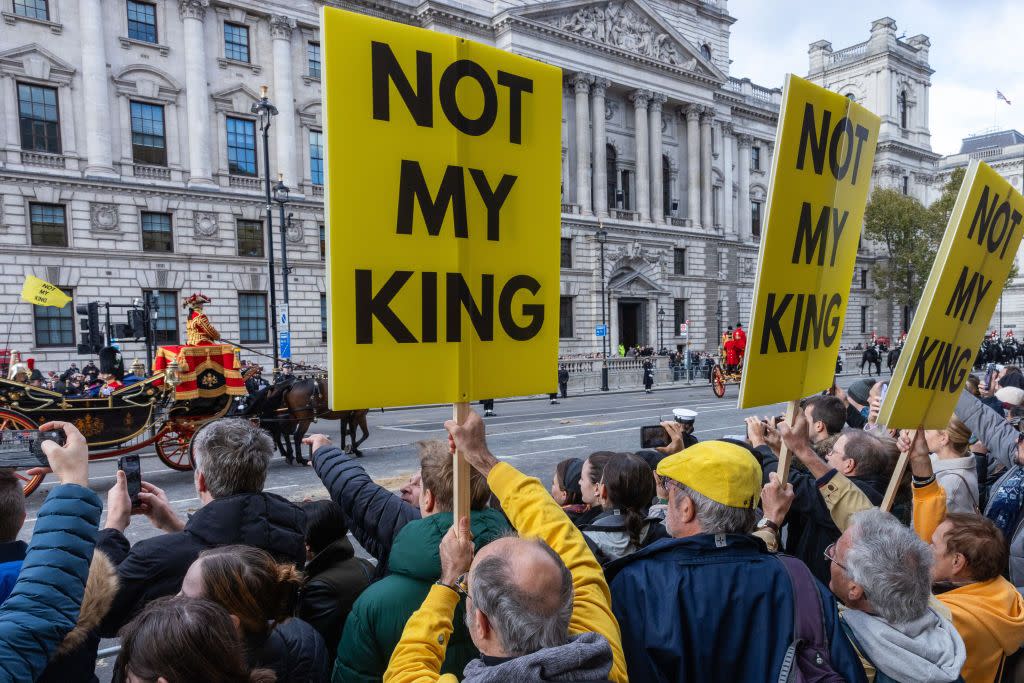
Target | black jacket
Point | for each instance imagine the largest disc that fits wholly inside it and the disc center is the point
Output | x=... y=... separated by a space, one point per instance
x=375 y=515
x=156 y=566
x=294 y=651
x=334 y=579
x=812 y=529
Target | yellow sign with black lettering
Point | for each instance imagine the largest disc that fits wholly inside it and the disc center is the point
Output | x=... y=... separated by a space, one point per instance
x=963 y=288
x=443 y=164
x=820 y=178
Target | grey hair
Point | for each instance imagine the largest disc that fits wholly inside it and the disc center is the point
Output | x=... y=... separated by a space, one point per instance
x=715 y=518
x=891 y=564
x=233 y=456
x=524 y=623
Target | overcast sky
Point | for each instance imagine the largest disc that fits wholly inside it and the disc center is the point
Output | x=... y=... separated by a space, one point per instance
x=977 y=48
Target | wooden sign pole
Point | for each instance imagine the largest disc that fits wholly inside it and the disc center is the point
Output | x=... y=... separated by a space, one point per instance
x=897 y=477
x=460 y=471
x=784 y=455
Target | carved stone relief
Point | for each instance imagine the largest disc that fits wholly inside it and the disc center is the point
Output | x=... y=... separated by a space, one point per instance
x=103 y=216
x=205 y=224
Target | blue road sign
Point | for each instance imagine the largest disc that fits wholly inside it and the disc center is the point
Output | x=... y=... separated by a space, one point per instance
x=284 y=344
x=601 y=331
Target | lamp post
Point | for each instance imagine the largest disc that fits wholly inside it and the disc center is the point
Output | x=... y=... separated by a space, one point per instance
x=661 y=343
x=265 y=111
x=602 y=237
x=281 y=197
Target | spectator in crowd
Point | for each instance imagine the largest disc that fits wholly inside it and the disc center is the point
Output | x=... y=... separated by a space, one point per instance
x=537 y=606
x=375 y=624
x=624 y=494
x=334 y=575
x=858 y=455
x=955 y=469
x=44 y=604
x=590 y=486
x=565 y=487
x=374 y=514
x=857 y=397
x=12 y=517
x=184 y=639
x=682 y=603
x=826 y=417
x=973 y=385
x=231 y=457
x=260 y=595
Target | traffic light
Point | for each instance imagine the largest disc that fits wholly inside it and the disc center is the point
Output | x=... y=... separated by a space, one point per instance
x=137 y=323
x=92 y=337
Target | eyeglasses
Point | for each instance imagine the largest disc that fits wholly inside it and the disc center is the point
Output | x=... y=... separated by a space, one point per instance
x=830 y=555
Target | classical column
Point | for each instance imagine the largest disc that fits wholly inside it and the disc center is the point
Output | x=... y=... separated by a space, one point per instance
x=643 y=183
x=769 y=148
x=9 y=96
x=743 y=170
x=692 y=113
x=284 y=98
x=657 y=199
x=581 y=82
x=706 y=216
x=727 y=182
x=95 y=91
x=601 y=198
x=197 y=96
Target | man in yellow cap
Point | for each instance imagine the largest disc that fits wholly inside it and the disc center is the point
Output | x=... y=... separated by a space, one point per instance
x=711 y=603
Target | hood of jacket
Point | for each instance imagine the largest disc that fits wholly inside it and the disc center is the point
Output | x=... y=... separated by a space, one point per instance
x=586 y=657
x=927 y=650
x=264 y=520
x=988 y=611
x=415 y=552
x=100 y=590
x=334 y=554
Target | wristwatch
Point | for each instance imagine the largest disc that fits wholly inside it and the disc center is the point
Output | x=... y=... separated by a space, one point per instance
x=766 y=523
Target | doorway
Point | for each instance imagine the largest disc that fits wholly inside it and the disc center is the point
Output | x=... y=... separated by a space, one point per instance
x=632 y=330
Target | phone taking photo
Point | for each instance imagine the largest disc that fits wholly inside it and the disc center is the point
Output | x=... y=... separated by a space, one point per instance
x=23 y=448
x=885 y=390
x=654 y=436
x=129 y=464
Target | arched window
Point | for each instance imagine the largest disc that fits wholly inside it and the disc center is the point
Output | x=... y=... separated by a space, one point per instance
x=705 y=51
x=901 y=103
x=666 y=185
x=611 y=166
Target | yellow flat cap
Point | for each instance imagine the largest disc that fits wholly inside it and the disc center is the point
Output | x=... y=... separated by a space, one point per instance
x=724 y=472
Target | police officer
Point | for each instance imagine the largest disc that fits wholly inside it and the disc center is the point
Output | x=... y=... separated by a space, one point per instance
x=648 y=376
x=563 y=381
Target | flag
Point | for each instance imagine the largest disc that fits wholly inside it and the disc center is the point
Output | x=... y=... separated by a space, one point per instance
x=42 y=293
x=1001 y=96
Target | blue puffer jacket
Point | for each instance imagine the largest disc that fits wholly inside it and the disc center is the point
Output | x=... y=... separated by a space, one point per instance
x=43 y=607
x=712 y=608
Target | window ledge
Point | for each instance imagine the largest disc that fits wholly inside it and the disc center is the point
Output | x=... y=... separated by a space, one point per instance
x=127 y=42
x=309 y=79
x=225 y=63
x=12 y=18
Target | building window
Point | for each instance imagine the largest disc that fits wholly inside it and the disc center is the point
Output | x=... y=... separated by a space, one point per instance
x=156 y=232
x=48 y=225
x=142 y=21
x=149 y=146
x=323 y=318
x=906 y=184
x=863 y=278
x=241 y=146
x=565 y=327
x=236 y=42
x=755 y=218
x=39 y=118
x=250 y=238
x=679 y=317
x=566 y=253
x=755 y=158
x=313 y=59
x=611 y=170
x=679 y=261
x=165 y=326
x=705 y=51
x=252 y=318
x=863 y=319
x=55 y=326
x=627 y=199
x=316 y=157
x=33 y=9
x=323 y=243
x=716 y=197
x=666 y=187
x=901 y=102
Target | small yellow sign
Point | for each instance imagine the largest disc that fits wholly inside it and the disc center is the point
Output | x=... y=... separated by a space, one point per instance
x=963 y=288
x=443 y=163
x=820 y=179
x=42 y=293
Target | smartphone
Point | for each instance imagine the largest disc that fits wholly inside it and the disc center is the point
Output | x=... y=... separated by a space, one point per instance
x=990 y=375
x=23 y=448
x=653 y=436
x=129 y=464
x=885 y=390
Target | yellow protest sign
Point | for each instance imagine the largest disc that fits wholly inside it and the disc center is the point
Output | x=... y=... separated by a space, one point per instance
x=42 y=293
x=820 y=178
x=443 y=162
x=966 y=280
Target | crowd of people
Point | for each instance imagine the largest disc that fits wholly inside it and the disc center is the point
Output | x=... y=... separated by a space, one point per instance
x=690 y=562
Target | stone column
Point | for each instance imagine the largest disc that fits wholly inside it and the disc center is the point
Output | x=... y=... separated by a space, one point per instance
x=727 y=183
x=601 y=199
x=769 y=154
x=643 y=181
x=95 y=91
x=706 y=217
x=692 y=113
x=743 y=143
x=197 y=96
x=284 y=98
x=582 y=85
x=9 y=96
x=657 y=198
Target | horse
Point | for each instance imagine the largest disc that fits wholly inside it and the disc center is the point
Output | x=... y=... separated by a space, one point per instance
x=871 y=357
x=893 y=357
x=306 y=401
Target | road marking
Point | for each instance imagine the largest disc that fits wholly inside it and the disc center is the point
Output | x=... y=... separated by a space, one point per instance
x=552 y=438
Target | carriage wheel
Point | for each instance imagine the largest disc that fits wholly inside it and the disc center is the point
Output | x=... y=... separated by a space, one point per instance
x=718 y=381
x=10 y=420
x=172 y=446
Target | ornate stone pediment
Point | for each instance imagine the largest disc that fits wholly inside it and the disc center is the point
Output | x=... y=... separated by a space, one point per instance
x=36 y=62
x=633 y=283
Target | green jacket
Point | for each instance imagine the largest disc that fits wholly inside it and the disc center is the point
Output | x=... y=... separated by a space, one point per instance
x=378 y=617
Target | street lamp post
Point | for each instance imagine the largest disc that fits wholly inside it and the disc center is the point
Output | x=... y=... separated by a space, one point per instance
x=661 y=343
x=281 y=197
x=602 y=237
x=265 y=111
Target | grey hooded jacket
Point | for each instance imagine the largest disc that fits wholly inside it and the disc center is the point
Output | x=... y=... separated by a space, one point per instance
x=586 y=657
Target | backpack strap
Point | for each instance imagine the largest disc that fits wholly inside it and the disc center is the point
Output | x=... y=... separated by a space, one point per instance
x=808 y=616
